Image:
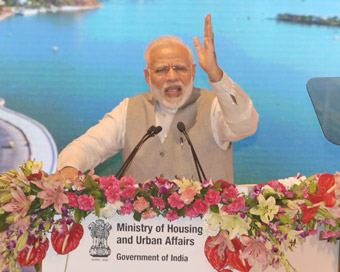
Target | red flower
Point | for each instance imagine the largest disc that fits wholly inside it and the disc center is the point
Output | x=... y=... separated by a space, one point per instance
x=65 y=240
x=218 y=262
x=222 y=252
x=325 y=193
x=308 y=213
x=33 y=253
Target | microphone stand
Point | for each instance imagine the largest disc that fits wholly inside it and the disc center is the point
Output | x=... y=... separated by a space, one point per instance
x=198 y=166
x=152 y=131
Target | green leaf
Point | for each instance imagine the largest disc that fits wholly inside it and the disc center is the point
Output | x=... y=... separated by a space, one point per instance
x=3 y=224
x=137 y=216
x=90 y=184
x=97 y=205
x=22 y=241
x=286 y=219
x=181 y=212
x=47 y=226
x=96 y=194
x=37 y=267
x=312 y=187
x=217 y=186
x=251 y=202
x=308 y=202
x=214 y=208
x=36 y=222
x=77 y=215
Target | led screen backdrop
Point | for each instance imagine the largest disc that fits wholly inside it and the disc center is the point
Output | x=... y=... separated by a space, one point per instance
x=66 y=70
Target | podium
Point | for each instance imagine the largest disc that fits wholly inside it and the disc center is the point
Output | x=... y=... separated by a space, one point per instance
x=123 y=244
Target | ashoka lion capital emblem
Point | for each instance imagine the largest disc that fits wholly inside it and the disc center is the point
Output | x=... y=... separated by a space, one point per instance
x=100 y=232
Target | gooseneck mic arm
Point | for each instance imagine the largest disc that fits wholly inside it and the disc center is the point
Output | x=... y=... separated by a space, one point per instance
x=199 y=169
x=152 y=131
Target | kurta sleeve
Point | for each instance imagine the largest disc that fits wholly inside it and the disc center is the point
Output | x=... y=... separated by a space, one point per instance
x=99 y=143
x=233 y=115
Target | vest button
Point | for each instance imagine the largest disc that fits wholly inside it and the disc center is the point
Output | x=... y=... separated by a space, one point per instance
x=162 y=154
x=161 y=175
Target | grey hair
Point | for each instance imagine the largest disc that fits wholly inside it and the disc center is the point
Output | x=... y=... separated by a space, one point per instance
x=166 y=40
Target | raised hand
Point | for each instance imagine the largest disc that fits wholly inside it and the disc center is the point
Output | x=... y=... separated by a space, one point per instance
x=206 y=54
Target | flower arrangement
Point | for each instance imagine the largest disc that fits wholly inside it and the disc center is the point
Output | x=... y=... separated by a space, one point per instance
x=247 y=231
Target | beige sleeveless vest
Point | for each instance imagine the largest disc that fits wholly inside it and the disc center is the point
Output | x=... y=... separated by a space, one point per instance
x=173 y=158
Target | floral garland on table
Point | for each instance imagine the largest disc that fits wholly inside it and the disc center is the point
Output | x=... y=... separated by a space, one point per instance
x=248 y=230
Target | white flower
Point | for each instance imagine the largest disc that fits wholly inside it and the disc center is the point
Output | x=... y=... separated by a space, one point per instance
x=211 y=223
x=289 y=182
x=110 y=209
x=235 y=224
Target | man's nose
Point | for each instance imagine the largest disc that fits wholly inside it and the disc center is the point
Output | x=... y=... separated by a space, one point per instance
x=172 y=74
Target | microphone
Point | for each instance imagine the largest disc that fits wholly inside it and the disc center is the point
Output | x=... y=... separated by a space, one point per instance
x=181 y=128
x=152 y=131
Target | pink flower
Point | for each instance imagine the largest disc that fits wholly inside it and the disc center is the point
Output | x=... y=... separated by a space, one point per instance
x=175 y=201
x=200 y=206
x=127 y=208
x=223 y=241
x=305 y=192
x=129 y=192
x=313 y=232
x=128 y=181
x=327 y=234
x=113 y=193
x=255 y=251
x=213 y=197
x=106 y=182
x=288 y=194
x=172 y=215
x=72 y=200
x=52 y=194
x=149 y=214
x=86 y=203
x=188 y=194
x=191 y=212
x=19 y=204
x=140 y=204
x=158 y=202
x=234 y=207
x=229 y=193
x=277 y=186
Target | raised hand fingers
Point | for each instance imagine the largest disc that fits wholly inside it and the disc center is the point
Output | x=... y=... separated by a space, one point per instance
x=197 y=44
x=208 y=30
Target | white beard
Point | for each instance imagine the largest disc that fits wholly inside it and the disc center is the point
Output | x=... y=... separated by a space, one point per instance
x=172 y=102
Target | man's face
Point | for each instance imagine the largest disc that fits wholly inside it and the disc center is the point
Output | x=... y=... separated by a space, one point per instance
x=170 y=75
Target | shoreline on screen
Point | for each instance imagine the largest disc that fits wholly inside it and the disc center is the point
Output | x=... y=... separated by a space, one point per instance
x=29 y=12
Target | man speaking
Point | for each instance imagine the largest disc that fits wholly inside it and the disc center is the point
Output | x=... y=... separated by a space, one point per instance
x=213 y=119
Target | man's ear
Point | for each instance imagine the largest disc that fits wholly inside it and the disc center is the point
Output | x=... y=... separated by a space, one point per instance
x=193 y=69
x=147 y=76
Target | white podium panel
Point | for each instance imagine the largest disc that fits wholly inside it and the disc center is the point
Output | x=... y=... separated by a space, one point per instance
x=122 y=244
